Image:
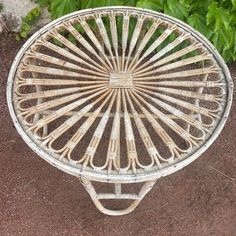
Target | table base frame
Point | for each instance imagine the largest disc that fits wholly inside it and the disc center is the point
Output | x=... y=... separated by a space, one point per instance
x=96 y=197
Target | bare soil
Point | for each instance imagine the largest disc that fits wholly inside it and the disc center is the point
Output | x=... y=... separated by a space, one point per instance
x=38 y=199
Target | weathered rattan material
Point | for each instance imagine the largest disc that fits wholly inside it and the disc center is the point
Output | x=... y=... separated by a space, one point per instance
x=136 y=95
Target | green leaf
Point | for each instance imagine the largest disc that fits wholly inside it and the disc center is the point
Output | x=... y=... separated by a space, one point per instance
x=17 y=38
x=100 y=3
x=234 y=3
x=29 y=17
x=233 y=18
x=63 y=7
x=58 y=43
x=32 y=15
x=72 y=39
x=228 y=55
x=25 y=27
x=129 y=2
x=79 y=28
x=23 y=34
x=198 y=22
x=36 y=11
x=223 y=39
x=43 y=3
x=132 y=24
x=234 y=42
x=218 y=15
x=178 y=9
x=156 y=5
x=200 y=6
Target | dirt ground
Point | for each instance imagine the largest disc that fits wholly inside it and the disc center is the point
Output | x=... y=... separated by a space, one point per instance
x=38 y=199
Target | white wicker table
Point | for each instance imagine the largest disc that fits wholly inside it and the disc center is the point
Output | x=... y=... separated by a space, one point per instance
x=119 y=95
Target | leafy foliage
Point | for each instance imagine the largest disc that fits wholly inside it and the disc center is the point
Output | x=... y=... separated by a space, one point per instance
x=178 y=9
x=151 y=4
x=1 y=7
x=215 y=19
x=27 y=21
x=100 y=3
x=60 y=8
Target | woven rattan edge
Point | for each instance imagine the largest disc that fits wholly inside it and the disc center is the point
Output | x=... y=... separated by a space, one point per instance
x=121 y=178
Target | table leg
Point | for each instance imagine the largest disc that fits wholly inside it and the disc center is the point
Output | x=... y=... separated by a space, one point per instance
x=147 y=186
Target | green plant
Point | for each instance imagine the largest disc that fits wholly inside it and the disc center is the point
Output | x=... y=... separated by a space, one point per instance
x=214 y=19
x=27 y=22
x=1 y=6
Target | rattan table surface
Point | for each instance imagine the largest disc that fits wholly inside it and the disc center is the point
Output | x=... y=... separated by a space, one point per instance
x=119 y=94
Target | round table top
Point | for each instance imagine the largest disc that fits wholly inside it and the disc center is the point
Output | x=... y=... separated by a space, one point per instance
x=119 y=94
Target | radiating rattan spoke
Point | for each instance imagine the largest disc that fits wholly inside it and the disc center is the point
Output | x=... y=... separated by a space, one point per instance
x=173 y=56
x=184 y=62
x=167 y=140
x=181 y=74
x=94 y=39
x=55 y=82
x=65 y=53
x=125 y=32
x=163 y=51
x=146 y=138
x=134 y=39
x=155 y=44
x=97 y=136
x=83 y=41
x=186 y=93
x=55 y=134
x=113 y=158
x=62 y=63
x=187 y=105
x=144 y=41
x=129 y=136
x=27 y=112
x=54 y=92
x=114 y=35
x=58 y=72
x=103 y=32
x=73 y=48
x=188 y=84
x=170 y=123
x=170 y=109
x=75 y=139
